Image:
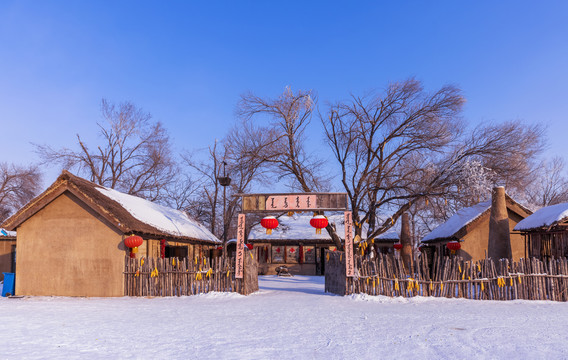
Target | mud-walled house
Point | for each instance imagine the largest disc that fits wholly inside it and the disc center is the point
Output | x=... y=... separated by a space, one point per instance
x=546 y=232
x=7 y=252
x=296 y=245
x=483 y=230
x=70 y=239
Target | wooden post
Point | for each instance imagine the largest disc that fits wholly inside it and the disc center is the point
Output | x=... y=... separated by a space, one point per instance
x=406 y=252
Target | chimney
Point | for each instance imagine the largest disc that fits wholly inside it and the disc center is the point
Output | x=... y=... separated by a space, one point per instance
x=406 y=251
x=499 y=246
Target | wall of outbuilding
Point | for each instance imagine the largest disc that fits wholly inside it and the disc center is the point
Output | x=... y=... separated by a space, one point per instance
x=66 y=249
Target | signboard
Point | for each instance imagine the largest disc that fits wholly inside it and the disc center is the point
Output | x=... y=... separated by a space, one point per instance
x=349 y=266
x=291 y=202
x=239 y=266
x=294 y=202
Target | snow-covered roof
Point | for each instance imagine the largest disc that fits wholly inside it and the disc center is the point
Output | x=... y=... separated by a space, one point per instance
x=392 y=234
x=129 y=214
x=545 y=217
x=297 y=227
x=455 y=223
x=168 y=220
x=4 y=232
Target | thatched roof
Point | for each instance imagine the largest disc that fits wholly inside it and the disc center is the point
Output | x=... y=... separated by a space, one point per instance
x=544 y=219
x=127 y=213
x=463 y=221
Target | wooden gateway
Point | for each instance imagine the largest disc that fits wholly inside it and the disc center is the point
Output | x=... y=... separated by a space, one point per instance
x=546 y=232
x=70 y=239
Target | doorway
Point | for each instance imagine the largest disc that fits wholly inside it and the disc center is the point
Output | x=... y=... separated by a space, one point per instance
x=176 y=251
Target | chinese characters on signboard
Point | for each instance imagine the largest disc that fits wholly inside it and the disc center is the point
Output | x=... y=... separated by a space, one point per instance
x=291 y=202
x=349 y=268
x=240 y=247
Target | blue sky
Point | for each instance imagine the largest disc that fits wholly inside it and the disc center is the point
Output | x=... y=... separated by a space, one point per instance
x=188 y=62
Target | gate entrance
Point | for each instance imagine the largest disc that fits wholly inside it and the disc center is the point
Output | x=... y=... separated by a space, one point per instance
x=294 y=244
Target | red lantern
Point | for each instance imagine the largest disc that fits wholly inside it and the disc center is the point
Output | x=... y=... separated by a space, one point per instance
x=133 y=241
x=398 y=246
x=319 y=222
x=453 y=246
x=269 y=223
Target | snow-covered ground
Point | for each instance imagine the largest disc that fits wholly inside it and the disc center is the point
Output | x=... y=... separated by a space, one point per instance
x=289 y=318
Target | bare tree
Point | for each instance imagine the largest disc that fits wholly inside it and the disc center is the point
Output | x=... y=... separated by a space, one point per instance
x=550 y=184
x=233 y=155
x=18 y=185
x=134 y=155
x=283 y=146
x=407 y=146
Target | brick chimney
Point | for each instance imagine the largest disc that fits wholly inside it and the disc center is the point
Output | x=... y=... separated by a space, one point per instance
x=499 y=246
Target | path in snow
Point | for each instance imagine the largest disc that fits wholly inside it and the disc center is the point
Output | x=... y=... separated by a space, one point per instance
x=289 y=318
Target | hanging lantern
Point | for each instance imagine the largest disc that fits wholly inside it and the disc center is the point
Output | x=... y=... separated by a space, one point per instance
x=453 y=246
x=319 y=222
x=397 y=246
x=269 y=223
x=133 y=241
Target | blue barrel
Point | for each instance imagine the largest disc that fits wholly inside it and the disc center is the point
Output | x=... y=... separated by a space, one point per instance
x=9 y=284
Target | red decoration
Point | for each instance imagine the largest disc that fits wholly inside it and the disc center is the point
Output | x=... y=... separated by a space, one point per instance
x=219 y=248
x=453 y=246
x=292 y=250
x=163 y=248
x=269 y=223
x=249 y=246
x=319 y=222
x=133 y=241
x=278 y=250
x=398 y=246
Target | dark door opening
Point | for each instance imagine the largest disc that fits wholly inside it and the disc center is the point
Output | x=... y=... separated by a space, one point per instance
x=176 y=251
x=13 y=267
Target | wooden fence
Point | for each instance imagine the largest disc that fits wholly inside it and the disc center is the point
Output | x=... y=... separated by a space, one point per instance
x=452 y=277
x=185 y=276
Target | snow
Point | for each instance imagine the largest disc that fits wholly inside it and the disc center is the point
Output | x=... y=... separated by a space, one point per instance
x=544 y=217
x=457 y=221
x=4 y=232
x=297 y=227
x=289 y=318
x=391 y=234
x=168 y=220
